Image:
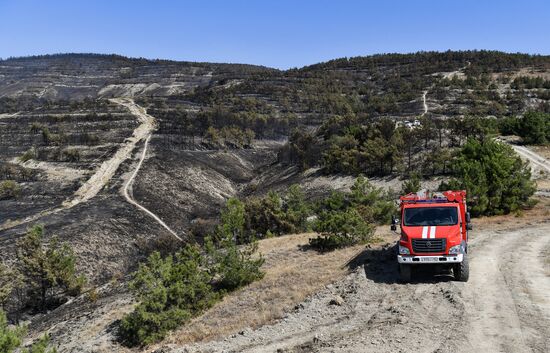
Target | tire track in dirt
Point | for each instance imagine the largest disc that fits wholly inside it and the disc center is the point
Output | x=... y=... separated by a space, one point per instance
x=493 y=309
x=107 y=170
x=532 y=157
x=91 y=187
x=505 y=307
x=447 y=75
x=126 y=192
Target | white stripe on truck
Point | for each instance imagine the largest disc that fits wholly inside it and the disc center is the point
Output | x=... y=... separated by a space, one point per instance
x=424 y=232
x=432 y=232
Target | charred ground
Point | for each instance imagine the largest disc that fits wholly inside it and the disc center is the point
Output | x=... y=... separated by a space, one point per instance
x=222 y=130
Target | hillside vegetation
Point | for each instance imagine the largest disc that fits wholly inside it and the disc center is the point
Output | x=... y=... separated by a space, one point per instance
x=239 y=153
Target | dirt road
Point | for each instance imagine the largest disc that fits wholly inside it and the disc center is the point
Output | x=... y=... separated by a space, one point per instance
x=536 y=160
x=424 y=105
x=447 y=75
x=102 y=175
x=109 y=167
x=505 y=307
x=126 y=188
x=105 y=171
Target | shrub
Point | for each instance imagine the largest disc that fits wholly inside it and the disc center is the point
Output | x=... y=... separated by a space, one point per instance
x=296 y=208
x=28 y=155
x=41 y=346
x=266 y=215
x=509 y=125
x=10 y=280
x=372 y=203
x=340 y=229
x=174 y=289
x=9 y=189
x=49 y=270
x=496 y=179
x=233 y=266
x=411 y=185
x=170 y=292
x=71 y=155
x=535 y=128
x=233 y=220
x=11 y=339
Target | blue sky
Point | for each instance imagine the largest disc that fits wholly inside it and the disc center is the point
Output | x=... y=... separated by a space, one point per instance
x=277 y=33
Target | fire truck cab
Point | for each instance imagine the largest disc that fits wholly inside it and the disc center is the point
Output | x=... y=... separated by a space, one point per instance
x=434 y=231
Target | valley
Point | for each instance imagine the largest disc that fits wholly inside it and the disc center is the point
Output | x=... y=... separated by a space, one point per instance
x=121 y=157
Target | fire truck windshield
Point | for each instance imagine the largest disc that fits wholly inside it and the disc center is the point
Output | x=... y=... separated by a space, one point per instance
x=430 y=216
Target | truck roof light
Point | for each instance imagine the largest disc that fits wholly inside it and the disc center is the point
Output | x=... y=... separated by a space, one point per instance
x=447 y=196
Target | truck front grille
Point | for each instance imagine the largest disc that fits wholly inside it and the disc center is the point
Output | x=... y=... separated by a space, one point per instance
x=429 y=245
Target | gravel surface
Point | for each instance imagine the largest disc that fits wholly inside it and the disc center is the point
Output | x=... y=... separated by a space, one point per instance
x=505 y=307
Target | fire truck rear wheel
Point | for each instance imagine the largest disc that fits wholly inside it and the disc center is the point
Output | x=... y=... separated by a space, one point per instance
x=405 y=272
x=462 y=270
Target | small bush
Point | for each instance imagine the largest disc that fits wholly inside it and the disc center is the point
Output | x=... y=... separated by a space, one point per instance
x=28 y=155
x=9 y=189
x=341 y=229
x=170 y=292
x=234 y=267
x=41 y=346
x=71 y=155
x=10 y=281
x=93 y=295
x=49 y=269
x=412 y=185
x=11 y=339
x=373 y=204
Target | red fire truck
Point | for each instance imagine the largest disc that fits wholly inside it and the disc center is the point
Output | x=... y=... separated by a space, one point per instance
x=434 y=231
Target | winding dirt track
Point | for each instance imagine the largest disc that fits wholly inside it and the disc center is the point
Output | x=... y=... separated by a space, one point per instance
x=126 y=188
x=446 y=75
x=505 y=307
x=535 y=159
x=108 y=168
x=91 y=187
x=424 y=103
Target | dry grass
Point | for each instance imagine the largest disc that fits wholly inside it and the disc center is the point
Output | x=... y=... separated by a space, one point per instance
x=544 y=151
x=530 y=72
x=539 y=213
x=291 y=275
x=543 y=184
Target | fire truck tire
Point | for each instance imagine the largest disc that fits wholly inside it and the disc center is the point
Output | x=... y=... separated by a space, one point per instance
x=405 y=272
x=462 y=270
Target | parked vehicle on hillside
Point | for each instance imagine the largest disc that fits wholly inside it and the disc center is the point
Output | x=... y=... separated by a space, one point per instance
x=434 y=231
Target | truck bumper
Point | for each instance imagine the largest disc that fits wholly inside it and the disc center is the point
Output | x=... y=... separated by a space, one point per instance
x=441 y=259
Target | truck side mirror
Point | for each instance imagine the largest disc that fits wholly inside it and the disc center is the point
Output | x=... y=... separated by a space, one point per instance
x=394 y=222
x=467 y=217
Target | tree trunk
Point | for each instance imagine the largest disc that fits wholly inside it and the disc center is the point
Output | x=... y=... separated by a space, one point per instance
x=43 y=291
x=409 y=167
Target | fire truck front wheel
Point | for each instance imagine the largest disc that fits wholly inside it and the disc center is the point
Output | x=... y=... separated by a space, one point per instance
x=405 y=272
x=462 y=270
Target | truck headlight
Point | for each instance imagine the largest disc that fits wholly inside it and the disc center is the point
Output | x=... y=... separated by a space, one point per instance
x=455 y=250
x=403 y=250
